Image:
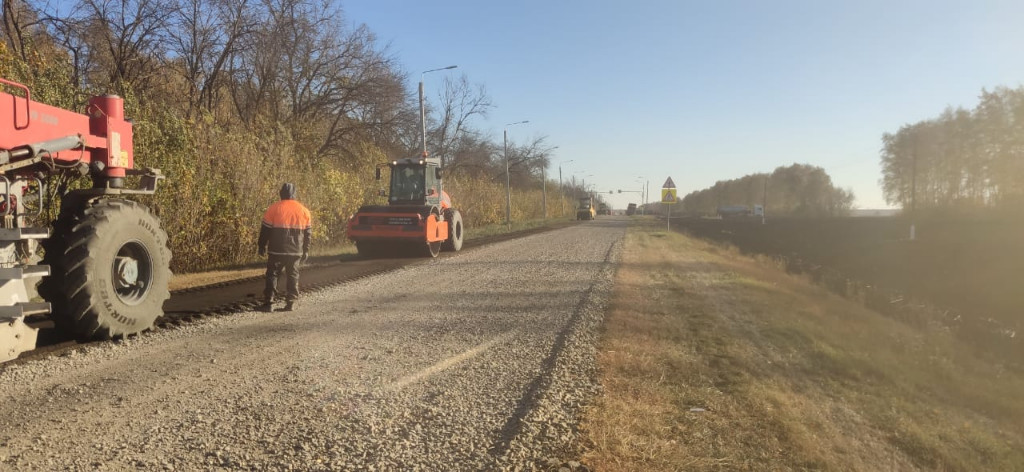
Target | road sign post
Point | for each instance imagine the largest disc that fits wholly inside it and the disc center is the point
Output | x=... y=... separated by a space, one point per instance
x=668 y=197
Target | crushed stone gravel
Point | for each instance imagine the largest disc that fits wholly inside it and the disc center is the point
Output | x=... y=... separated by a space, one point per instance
x=479 y=361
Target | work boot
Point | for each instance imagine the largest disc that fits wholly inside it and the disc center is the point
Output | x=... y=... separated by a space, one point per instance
x=289 y=306
x=266 y=307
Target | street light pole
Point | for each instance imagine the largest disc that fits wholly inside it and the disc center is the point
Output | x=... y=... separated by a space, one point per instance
x=508 y=179
x=764 y=199
x=643 y=193
x=423 y=109
x=544 y=188
x=561 y=190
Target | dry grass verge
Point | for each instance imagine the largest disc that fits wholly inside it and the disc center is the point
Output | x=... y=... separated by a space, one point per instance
x=711 y=361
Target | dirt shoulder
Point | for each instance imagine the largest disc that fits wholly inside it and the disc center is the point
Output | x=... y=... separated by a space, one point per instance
x=711 y=360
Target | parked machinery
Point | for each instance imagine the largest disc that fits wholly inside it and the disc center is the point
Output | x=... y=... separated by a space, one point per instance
x=585 y=209
x=106 y=264
x=418 y=217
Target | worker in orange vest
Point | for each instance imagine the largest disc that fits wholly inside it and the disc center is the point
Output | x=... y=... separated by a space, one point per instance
x=285 y=235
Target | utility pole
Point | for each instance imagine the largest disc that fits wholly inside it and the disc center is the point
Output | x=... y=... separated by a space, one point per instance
x=764 y=200
x=544 y=190
x=423 y=108
x=642 y=196
x=647 y=196
x=508 y=180
x=913 y=192
x=561 y=191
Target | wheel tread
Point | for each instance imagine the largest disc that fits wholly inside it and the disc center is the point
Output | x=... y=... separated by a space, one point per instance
x=77 y=238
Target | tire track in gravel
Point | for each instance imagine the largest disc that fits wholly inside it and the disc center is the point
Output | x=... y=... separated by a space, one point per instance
x=513 y=427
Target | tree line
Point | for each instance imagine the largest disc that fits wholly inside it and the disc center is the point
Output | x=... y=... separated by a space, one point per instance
x=232 y=97
x=962 y=159
x=797 y=190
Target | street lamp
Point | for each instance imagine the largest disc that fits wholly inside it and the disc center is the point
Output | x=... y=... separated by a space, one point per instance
x=544 y=183
x=561 y=191
x=423 y=109
x=644 y=194
x=586 y=192
x=508 y=180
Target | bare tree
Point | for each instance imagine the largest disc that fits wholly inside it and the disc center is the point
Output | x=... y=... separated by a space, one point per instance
x=525 y=162
x=206 y=34
x=17 y=17
x=460 y=103
x=115 y=44
x=303 y=67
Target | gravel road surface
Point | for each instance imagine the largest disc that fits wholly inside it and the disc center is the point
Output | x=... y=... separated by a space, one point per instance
x=480 y=361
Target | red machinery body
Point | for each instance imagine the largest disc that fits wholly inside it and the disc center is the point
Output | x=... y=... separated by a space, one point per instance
x=105 y=265
x=31 y=126
x=414 y=223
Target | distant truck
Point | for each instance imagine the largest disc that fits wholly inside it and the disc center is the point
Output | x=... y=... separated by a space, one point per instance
x=585 y=209
x=603 y=209
x=740 y=211
x=631 y=209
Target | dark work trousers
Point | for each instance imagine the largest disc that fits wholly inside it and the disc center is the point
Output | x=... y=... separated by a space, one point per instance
x=275 y=265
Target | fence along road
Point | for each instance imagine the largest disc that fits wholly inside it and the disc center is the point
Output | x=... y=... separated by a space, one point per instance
x=476 y=361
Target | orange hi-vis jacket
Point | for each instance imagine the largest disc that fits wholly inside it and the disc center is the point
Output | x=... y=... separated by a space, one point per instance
x=286 y=228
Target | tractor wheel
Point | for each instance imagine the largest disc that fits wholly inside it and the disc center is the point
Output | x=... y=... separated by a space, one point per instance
x=454 y=241
x=111 y=277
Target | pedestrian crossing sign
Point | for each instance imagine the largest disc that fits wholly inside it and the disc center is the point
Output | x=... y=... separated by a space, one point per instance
x=668 y=196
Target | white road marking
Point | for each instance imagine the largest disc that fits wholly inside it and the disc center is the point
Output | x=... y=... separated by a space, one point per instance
x=449 y=362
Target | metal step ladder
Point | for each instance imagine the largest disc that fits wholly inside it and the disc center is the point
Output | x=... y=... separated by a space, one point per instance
x=15 y=303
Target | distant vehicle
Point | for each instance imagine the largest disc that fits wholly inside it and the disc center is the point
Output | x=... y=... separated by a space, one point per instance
x=604 y=209
x=631 y=209
x=733 y=211
x=585 y=209
x=740 y=211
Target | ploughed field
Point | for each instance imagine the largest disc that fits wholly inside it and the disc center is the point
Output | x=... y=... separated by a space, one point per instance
x=477 y=361
x=967 y=271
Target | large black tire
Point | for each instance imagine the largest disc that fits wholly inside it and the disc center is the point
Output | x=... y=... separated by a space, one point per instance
x=110 y=267
x=454 y=241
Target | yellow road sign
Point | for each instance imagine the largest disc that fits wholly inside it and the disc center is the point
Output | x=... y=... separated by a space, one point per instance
x=668 y=196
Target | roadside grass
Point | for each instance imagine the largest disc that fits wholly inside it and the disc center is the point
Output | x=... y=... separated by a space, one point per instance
x=713 y=361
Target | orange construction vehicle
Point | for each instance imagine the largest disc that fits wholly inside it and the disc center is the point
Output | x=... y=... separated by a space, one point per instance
x=418 y=217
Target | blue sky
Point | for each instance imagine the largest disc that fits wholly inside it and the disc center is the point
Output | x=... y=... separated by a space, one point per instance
x=706 y=91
